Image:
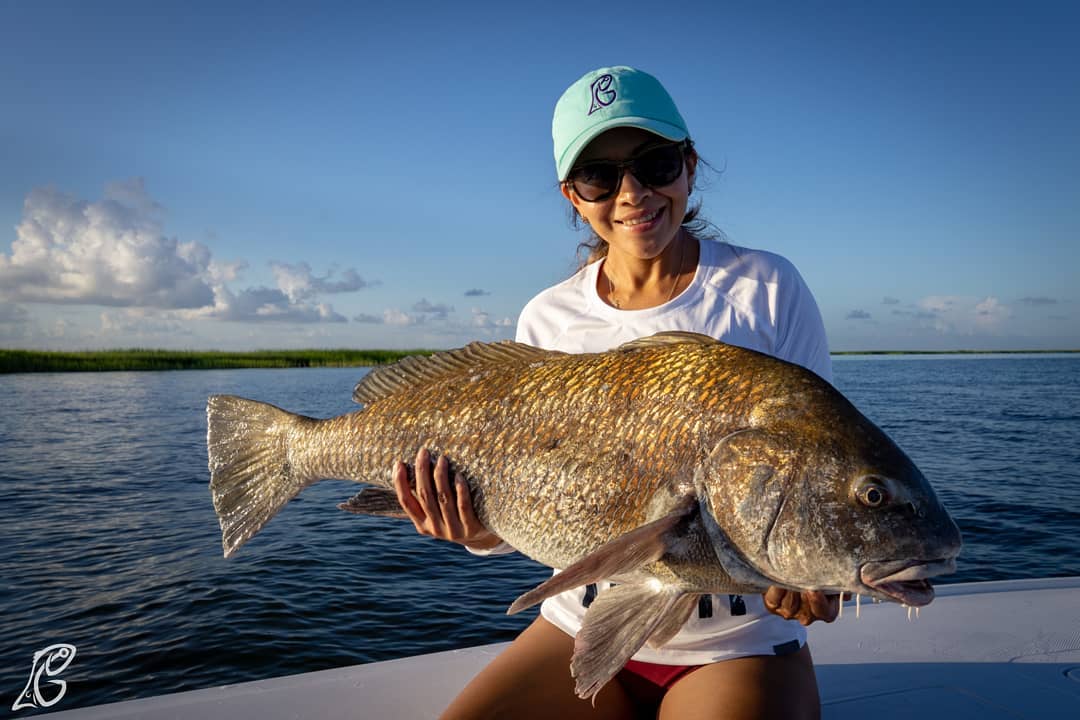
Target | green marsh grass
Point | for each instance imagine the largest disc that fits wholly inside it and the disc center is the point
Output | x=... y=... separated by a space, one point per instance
x=25 y=361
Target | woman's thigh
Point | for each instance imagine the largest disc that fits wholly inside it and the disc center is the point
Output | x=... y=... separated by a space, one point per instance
x=757 y=687
x=531 y=679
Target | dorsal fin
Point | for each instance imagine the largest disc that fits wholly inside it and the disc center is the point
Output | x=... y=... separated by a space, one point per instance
x=669 y=337
x=415 y=369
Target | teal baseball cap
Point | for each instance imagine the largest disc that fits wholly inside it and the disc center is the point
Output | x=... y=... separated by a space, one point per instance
x=608 y=98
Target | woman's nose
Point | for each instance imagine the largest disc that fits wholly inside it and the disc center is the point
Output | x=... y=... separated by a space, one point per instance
x=630 y=186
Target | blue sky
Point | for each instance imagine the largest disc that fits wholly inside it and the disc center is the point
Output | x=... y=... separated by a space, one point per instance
x=261 y=175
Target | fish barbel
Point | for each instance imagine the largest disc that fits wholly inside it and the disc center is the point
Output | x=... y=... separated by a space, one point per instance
x=675 y=465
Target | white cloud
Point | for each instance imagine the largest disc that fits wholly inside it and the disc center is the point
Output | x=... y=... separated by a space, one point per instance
x=439 y=311
x=989 y=311
x=104 y=273
x=298 y=283
x=111 y=252
x=393 y=316
x=435 y=323
x=263 y=304
x=482 y=319
x=423 y=312
x=224 y=272
x=961 y=315
x=938 y=303
x=114 y=253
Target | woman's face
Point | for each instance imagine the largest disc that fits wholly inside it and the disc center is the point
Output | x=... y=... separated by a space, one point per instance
x=637 y=220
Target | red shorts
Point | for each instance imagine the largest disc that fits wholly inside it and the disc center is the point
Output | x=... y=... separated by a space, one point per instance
x=663 y=676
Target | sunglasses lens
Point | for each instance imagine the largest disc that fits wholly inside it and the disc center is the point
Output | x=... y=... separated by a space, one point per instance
x=600 y=180
x=595 y=181
x=660 y=166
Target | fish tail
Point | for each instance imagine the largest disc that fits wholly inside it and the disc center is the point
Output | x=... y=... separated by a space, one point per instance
x=251 y=476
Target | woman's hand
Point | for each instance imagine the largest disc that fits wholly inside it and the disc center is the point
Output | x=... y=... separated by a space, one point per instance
x=439 y=508
x=805 y=607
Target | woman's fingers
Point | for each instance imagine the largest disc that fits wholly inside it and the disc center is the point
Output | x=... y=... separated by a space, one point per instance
x=447 y=502
x=782 y=602
x=790 y=604
x=433 y=504
x=439 y=506
x=475 y=535
x=471 y=525
x=418 y=502
x=806 y=607
x=405 y=496
x=772 y=598
x=822 y=606
x=426 y=493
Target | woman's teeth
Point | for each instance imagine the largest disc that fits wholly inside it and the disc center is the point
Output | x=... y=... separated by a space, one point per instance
x=643 y=218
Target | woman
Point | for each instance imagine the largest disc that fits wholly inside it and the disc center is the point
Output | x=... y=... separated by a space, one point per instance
x=626 y=164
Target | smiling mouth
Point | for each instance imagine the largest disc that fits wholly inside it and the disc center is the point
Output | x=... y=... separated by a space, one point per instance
x=642 y=219
x=904 y=581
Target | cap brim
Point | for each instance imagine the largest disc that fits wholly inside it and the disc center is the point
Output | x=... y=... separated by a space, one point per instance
x=658 y=127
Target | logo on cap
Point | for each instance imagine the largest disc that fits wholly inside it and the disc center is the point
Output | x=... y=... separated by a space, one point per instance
x=602 y=92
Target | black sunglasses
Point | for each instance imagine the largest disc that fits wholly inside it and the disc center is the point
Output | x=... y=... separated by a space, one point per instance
x=654 y=167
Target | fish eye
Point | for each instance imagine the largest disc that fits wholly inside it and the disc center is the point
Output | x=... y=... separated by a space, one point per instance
x=871 y=493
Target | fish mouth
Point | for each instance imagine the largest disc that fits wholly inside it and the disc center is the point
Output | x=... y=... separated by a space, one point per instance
x=904 y=581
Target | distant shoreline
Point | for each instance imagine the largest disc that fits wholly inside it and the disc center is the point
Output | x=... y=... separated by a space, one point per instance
x=30 y=361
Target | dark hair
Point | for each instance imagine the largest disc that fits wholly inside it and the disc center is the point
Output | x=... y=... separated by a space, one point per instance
x=596 y=248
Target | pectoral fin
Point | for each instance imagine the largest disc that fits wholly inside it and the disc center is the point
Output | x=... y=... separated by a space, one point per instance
x=374 y=501
x=615 y=627
x=624 y=554
x=673 y=620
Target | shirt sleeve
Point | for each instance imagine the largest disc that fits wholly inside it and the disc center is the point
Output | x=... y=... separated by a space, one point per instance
x=503 y=548
x=801 y=331
x=522 y=335
x=527 y=331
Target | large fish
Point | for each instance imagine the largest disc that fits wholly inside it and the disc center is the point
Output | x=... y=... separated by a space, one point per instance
x=675 y=465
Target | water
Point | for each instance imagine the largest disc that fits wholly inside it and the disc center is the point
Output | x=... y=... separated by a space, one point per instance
x=109 y=542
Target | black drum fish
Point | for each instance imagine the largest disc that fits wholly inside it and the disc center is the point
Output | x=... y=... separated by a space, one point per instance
x=675 y=465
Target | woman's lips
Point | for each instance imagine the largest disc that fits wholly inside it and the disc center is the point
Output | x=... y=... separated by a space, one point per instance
x=644 y=221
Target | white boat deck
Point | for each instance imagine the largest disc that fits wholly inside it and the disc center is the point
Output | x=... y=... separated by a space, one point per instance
x=982 y=650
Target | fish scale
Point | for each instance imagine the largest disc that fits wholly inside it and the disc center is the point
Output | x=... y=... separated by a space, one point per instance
x=675 y=465
x=461 y=423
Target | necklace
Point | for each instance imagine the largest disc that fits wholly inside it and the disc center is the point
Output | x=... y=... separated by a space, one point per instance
x=675 y=284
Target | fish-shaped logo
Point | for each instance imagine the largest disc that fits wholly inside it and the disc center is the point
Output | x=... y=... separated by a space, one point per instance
x=603 y=94
x=50 y=662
